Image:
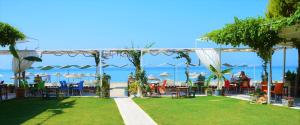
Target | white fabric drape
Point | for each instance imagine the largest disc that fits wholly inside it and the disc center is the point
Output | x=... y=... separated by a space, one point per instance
x=24 y=63
x=209 y=57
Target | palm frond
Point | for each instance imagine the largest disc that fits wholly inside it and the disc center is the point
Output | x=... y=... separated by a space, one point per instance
x=213 y=69
x=33 y=58
x=226 y=71
x=13 y=51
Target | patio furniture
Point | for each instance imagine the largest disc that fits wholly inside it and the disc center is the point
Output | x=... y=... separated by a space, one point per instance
x=162 y=88
x=182 y=89
x=155 y=88
x=264 y=86
x=78 y=88
x=245 y=85
x=41 y=88
x=3 y=90
x=52 y=90
x=278 y=91
x=199 y=85
x=227 y=86
x=192 y=92
x=63 y=87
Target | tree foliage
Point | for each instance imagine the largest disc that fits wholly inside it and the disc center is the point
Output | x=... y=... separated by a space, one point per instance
x=134 y=56
x=259 y=33
x=186 y=56
x=9 y=35
x=253 y=32
x=219 y=75
x=281 y=8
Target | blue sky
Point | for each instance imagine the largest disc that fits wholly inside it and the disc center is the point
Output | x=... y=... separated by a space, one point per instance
x=97 y=24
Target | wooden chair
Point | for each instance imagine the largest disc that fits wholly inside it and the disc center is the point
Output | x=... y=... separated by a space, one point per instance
x=228 y=88
x=264 y=86
x=162 y=88
x=278 y=91
x=3 y=90
x=245 y=86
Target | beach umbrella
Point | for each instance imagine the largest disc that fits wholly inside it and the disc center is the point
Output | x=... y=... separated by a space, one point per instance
x=41 y=74
x=194 y=75
x=58 y=75
x=13 y=77
x=152 y=77
x=91 y=75
x=70 y=76
x=66 y=67
x=29 y=74
x=70 y=66
x=39 y=67
x=202 y=73
x=228 y=65
x=73 y=76
x=82 y=75
x=86 y=67
x=243 y=66
x=47 y=68
x=164 y=74
x=31 y=68
x=105 y=66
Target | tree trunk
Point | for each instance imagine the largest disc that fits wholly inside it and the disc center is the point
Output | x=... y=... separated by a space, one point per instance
x=298 y=74
x=187 y=74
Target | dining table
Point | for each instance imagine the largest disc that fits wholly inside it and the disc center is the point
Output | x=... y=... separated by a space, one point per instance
x=156 y=85
x=5 y=88
x=180 y=89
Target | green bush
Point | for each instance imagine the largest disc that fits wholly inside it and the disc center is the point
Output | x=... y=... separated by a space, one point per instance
x=133 y=87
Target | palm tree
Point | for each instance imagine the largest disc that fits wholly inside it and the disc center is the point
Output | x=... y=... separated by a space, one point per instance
x=134 y=56
x=219 y=75
x=188 y=59
x=8 y=37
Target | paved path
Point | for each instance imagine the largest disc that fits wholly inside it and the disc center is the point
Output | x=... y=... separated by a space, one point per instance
x=118 y=90
x=132 y=114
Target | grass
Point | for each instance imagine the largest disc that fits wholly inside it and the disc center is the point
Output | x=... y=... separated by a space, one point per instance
x=213 y=110
x=79 y=111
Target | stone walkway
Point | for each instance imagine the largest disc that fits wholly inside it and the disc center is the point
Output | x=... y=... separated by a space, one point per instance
x=9 y=96
x=118 y=90
x=132 y=114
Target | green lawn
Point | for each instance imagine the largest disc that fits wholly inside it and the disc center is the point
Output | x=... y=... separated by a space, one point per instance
x=79 y=111
x=216 y=111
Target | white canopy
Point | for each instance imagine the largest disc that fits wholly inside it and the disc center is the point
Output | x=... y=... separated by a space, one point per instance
x=24 y=63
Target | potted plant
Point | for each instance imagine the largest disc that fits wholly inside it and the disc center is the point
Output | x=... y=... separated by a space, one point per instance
x=290 y=79
x=21 y=74
x=133 y=88
x=105 y=85
x=208 y=91
x=219 y=75
x=21 y=90
x=148 y=90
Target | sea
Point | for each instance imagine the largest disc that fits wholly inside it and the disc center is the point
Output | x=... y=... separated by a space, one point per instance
x=121 y=74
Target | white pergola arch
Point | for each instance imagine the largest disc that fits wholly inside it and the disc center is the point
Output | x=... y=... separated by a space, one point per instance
x=153 y=51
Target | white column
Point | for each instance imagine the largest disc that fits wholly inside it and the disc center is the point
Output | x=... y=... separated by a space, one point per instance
x=270 y=81
x=141 y=63
x=284 y=63
x=100 y=65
